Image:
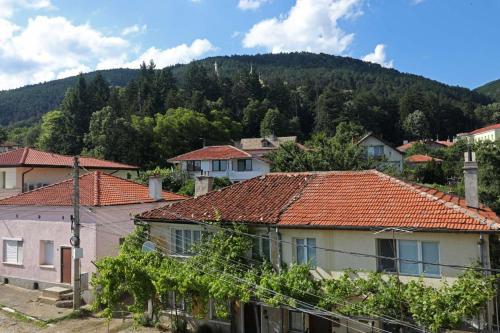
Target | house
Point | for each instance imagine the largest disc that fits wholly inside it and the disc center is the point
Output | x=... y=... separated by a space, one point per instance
x=25 y=169
x=432 y=144
x=378 y=148
x=35 y=226
x=222 y=161
x=491 y=133
x=324 y=217
x=419 y=159
x=263 y=146
x=9 y=146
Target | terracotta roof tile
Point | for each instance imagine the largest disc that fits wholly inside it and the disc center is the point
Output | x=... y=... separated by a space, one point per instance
x=96 y=189
x=212 y=153
x=33 y=157
x=418 y=158
x=354 y=200
x=485 y=129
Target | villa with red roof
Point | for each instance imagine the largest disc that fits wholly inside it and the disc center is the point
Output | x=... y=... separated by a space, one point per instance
x=491 y=133
x=222 y=161
x=35 y=226
x=325 y=218
x=26 y=169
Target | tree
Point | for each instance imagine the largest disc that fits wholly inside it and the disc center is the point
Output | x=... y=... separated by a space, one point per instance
x=253 y=114
x=56 y=133
x=416 y=125
x=274 y=123
x=3 y=134
x=331 y=108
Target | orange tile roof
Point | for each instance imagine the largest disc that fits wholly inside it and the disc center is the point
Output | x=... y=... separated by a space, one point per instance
x=485 y=129
x=37 y=158
x=410 y=144
x=446 y=143
x=226 y=152
x=96 y=189
x=337 y=199
x=418 y=158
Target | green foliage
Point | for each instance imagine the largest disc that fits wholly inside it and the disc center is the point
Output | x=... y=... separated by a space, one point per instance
x=56 y=134
x=416 y=125
x=274 y=123
x=173 y=179
x=488 y=159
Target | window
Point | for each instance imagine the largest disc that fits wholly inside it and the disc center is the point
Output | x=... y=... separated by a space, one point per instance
x=376 y=151
x=47 y=252
x=219 y=165
x=409 y=251
x=306 y=251
x=261 y=248
x=244 y=165
x=183 y=240
x=193 y=165
x=13 y=251
x=295 y=321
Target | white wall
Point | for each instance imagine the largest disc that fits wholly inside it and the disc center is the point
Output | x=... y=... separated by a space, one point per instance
x=491 y=135
x=259 y=168
x=391 y=154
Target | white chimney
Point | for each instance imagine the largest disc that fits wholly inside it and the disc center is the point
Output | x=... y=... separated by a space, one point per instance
x=155 y=188
x=203 y=185
x=470 y=180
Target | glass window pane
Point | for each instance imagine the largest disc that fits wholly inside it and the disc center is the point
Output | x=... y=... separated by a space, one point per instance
x=408 y=250
x=430 y=253
x=301 y=251
x=223 y=165
x=241 y=165
x=386 y=248
x=178 y=241
x=255 y=248
x=311 y=251
x=248 y=165
x=48 y=253
x=296 y=321
x=215 y=166
x=266 y=251
x=187 y=240
x=196 y=236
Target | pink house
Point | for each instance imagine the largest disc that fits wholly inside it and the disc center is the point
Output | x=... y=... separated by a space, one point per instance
x=35 y=226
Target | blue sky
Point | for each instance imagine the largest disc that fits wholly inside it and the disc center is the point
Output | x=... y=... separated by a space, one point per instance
x=453 y=41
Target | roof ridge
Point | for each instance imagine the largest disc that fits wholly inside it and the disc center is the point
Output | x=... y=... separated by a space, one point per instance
x=448 y=204
x=97 y=188
x=296 y=196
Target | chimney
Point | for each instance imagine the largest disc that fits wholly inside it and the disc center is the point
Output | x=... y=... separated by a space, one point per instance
x=155 y=188
x=405 y=142
x=470 y=180
x=203 y=185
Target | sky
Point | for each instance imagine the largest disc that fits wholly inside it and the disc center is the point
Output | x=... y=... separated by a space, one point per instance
x=453 y=41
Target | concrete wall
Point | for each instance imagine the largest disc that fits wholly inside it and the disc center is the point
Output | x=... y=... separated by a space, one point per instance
x=492 y=135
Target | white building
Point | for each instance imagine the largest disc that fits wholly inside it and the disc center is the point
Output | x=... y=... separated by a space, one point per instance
x=379 y=149
x=491 y=133
x=222 y=161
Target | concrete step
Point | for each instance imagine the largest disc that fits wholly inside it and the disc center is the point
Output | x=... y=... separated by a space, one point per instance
x=55 y=292
x=47 y=300
x=65 y=297
x=64 y=304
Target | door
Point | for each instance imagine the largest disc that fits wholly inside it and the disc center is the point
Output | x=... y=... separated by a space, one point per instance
x=66 y=265
x=319 y=324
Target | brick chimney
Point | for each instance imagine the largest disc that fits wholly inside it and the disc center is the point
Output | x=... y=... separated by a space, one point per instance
x=155 y=188
x=470 y=180
x=203 y=185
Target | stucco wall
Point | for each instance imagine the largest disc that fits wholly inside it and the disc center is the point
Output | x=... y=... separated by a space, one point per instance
x=488 y=135
x=259 y=168
x=391 y=154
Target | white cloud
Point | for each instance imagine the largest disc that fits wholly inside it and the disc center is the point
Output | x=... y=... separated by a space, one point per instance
x=250 y=4
x=133 y=29
x=378 y=56
x=7 y=7
x=180 y=54
x=311 y=25
x=53 y=47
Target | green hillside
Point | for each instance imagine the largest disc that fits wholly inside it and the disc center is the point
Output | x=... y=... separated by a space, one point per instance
x=490 y=89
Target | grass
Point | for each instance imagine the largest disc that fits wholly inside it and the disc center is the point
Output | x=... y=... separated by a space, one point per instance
x=24 y=318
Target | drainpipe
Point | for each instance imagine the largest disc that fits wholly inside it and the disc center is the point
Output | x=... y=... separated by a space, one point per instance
x=22 y=178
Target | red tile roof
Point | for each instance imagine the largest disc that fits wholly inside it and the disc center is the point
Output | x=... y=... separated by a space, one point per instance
x=226 y=152
x=35 y=158
x=446 y=143
x=410 y=144
x=348 y=199
x=96 y=189
x=485 y=129
x=417 y=158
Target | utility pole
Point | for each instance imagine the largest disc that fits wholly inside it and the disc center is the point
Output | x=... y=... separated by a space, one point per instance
x=75 y=239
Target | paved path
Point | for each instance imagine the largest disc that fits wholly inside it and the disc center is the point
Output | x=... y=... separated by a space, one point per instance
x=9 y=324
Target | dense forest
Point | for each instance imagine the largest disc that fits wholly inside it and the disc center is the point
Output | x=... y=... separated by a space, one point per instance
x=490 y=89
x=147 y=115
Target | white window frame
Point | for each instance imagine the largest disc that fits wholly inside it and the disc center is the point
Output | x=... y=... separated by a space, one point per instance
x=43 y=253
x=219 y=164
x=19 y=251
x=260 y=244
x=183 y=244
x=419 y=258
x=306 y=249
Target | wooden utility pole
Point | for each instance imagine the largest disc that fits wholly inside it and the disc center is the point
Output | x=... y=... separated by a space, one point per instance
x=75 y=239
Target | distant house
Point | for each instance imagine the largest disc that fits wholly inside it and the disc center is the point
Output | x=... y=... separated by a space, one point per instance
x=491 y=133
x=433 y=144
x=262 y=146
x=9 y=146
x=35 y=226
x=322 y=218
x=419 y=159
x=26 y=169
x=222 y=161
x=378 y=148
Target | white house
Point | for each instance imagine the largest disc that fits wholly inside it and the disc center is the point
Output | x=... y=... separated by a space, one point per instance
x=265 y=145
x=222 y=161
x=323 y=217
x=35 y=226
x=491 y=133
x=378 y=148
x=25 y=169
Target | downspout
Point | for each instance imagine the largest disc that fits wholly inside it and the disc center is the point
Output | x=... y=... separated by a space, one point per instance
x=22 y=178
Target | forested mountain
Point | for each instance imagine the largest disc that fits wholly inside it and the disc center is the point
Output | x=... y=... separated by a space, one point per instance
x=490 y=89
x=146 y=116
x=29 y=103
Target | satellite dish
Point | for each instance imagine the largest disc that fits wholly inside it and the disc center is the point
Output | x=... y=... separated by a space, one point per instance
x=148 y=246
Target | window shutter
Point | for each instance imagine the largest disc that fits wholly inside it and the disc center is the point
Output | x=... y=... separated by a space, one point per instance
x=49 y=253
x=11 y=253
